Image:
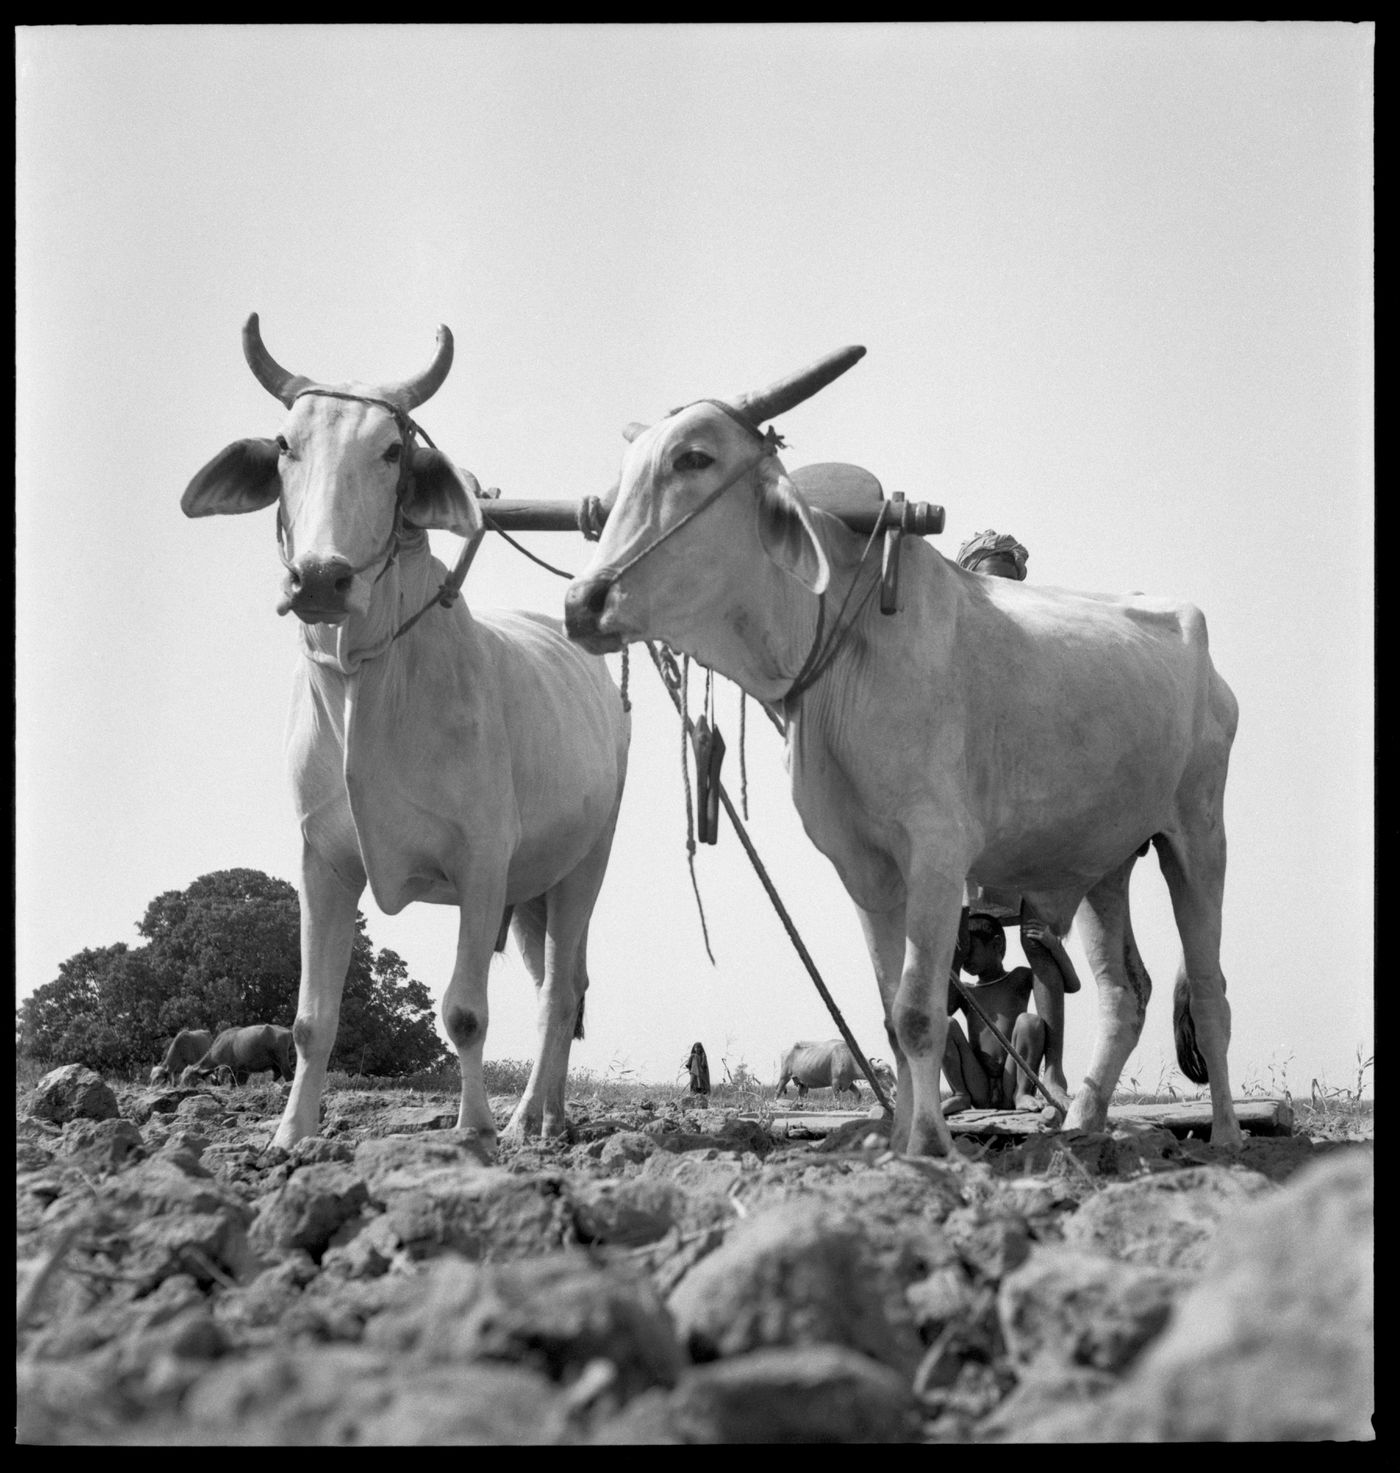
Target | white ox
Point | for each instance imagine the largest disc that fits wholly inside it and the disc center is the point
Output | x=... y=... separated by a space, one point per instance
x=1032 y=739
x=468 y=760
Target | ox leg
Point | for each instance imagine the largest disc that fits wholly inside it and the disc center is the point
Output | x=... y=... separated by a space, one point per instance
x=964 y=1072
x=465 y=1012
x=920 y=1009
x=1123 y=987
x=1194 y=868
x=568 y=910
x=541 y=1107
x=1028 y=1035
x=1048 y=989
x=327 y=936
x=884 y=940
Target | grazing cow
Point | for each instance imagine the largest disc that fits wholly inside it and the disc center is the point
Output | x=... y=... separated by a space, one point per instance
x=1026 y=738
x=246 y=1051
x=699 y=1067
x=188 y=1045
x=474 y=760
x=829 y=1065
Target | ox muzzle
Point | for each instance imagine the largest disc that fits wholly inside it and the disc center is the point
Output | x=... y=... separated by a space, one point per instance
x=317 y=589
x=585 y=606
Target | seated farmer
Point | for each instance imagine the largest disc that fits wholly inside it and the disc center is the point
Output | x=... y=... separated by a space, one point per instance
x=982 y=1074
x=999 y=555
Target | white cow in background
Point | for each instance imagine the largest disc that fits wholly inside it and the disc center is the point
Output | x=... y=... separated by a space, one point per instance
x=474 y=760
x=1031 y=739
x=829 y=1065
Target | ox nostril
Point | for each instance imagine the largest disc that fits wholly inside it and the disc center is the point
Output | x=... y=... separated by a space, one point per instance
x=317 y=582
x=584 y=603
x=595 y=594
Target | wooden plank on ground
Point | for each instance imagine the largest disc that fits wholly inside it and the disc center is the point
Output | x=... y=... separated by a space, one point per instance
x=1181 y=1117
x=813 y=1124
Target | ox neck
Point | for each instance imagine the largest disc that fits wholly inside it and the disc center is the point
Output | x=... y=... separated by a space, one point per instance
x=402 y=590
x=785 y=634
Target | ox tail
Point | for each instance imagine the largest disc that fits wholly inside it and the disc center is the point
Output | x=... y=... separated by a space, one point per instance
x=582 y=998
x=504 y=932
x=1188 y=1055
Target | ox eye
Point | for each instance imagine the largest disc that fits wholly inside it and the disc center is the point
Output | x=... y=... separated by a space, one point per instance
x=393 y=453
x=693 y=460
x=282 y=447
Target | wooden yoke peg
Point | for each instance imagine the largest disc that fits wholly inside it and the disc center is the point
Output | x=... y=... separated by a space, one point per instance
x=709 y=753
x=889 y=554
x=898 y=516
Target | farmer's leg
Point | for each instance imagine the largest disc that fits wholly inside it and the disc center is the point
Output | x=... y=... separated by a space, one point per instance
x=1028 y=1038
x=964 y=1072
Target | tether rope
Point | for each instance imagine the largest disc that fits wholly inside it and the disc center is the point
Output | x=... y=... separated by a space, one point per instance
x=743 y=766
x=524 y=551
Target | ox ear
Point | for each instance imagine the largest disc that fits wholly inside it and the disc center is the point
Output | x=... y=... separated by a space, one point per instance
x=785 y=527
x=442 y=496
x=633 y=429
x=241 y=477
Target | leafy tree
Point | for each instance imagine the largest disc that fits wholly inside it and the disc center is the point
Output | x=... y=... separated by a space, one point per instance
x=378 y=994
x=224 y=951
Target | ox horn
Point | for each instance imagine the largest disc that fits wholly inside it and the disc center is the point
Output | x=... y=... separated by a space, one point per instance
x=779 y=397
x=414 y=391
x=266 y=369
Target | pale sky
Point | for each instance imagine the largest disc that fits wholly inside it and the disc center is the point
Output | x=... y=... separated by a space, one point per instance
x=1116 y=286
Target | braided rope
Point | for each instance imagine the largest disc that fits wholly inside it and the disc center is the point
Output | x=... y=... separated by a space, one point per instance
x=743 y=766
x=524 y=551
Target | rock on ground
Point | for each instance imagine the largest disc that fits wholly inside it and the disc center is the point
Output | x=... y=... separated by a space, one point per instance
x=668 y=1275
x=72 y=1092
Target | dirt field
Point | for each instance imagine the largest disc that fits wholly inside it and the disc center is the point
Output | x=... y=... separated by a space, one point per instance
x=672 y=1275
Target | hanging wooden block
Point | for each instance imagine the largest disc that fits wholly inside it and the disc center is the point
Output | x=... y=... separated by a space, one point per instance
x=709 y=754
x=889 y=556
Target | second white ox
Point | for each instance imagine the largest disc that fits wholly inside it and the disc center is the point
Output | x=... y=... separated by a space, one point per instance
x=468 y=760
x=1033 y=739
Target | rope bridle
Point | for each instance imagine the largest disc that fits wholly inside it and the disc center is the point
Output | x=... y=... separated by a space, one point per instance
x=409 y=431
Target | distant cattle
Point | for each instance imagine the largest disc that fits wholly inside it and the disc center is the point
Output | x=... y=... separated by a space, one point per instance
x=699 y=1067
x=819 y=1066
x=188 y=1045
x=246 y=1051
